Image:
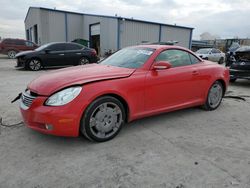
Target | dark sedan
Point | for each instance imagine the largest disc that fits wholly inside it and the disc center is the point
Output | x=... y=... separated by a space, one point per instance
x=240 y=67
x=56 y=54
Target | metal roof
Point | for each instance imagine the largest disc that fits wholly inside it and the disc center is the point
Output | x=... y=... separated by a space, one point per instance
x=105 y=16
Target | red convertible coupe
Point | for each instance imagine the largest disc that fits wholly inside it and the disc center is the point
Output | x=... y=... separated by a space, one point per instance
x=135 y=82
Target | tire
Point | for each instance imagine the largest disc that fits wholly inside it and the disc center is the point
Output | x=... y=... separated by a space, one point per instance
x=34 y=64
x=12 y=54
x=221 y=61
x=232 y=80
x=83 y=61
x=103 y=119
x=214 y=96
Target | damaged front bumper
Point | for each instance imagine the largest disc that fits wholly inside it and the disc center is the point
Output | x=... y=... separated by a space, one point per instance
x=21 y=63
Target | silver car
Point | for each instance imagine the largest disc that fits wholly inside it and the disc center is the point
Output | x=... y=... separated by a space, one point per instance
x=211 y=54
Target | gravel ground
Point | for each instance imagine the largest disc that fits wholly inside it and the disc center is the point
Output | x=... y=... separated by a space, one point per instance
x=184 y=149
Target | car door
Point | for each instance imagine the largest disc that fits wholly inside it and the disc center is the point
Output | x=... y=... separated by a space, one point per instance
x=55 y=55
x=176 y=86
x=73 y=53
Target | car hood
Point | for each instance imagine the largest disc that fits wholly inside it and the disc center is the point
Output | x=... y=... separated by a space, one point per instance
x=57 y=80
x=23 y=53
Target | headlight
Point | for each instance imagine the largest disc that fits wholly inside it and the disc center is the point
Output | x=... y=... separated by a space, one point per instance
x=63 y=97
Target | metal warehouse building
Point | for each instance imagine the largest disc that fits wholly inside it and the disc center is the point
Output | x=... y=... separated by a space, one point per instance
x=104 y=33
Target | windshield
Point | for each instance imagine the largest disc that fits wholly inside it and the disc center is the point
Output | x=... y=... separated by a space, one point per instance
x=203 y=51
x=42 y=47
x=129 y=57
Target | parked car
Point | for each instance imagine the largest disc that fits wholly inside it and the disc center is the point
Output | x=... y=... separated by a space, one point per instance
x=56 y=54
x=134 y=82
x=11 y=47
x=240 y=67
x=211 y=54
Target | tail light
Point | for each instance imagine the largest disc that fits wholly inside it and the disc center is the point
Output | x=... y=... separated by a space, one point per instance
x=93 y=52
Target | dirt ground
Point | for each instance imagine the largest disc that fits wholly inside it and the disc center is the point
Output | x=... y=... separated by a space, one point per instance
x=189 y=148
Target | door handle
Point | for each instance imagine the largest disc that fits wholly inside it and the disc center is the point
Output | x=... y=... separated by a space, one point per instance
x=61 y=54
x=195 y=72
x=78 y=53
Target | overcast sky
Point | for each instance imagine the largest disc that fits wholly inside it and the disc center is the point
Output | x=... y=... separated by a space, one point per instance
x=225 y=18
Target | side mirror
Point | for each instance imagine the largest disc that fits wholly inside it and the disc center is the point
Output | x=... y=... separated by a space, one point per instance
x=47 y=51
x=161 y=65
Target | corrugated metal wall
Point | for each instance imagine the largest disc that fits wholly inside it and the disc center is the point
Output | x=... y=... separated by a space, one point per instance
x=75 y=26
x=181 y=35
x=53 y=26
x=132 y=33
x=108 y=27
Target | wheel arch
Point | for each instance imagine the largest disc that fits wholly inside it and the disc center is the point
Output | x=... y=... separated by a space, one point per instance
x=223 y=85
x=35 y=57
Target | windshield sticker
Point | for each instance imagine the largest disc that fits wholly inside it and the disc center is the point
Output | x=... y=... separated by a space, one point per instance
x=145 y=52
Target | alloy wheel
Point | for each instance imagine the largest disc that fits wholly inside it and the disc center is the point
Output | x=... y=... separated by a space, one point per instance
x=35 y=64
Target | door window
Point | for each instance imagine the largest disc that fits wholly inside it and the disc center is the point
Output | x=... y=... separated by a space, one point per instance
x=19 y=42
x=194 y=59
x=177 y=58
x=73 y=47
x=215 y=51
x=30 y=44
x=57 y=47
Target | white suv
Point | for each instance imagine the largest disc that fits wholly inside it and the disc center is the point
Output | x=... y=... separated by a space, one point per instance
x=211 y=54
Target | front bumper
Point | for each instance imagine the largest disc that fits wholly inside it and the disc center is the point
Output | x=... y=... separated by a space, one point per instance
x=21 y=63
x=60 y=121
x=234 y=73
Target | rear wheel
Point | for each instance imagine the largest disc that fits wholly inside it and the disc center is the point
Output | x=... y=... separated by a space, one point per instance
x=12 y=54
x=103 y=119
x=214 y=96
x=83 y=61
x=35 y=64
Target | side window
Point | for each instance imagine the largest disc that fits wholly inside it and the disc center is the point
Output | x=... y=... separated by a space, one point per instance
x=177 y=58
x=27 y=43
x=73 y=47
x=215 y=51
x=56 y=47
x=7 y=41
x=194 y=59
x=19 y=42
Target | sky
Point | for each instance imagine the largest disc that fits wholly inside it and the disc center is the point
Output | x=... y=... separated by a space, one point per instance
x=223 y=18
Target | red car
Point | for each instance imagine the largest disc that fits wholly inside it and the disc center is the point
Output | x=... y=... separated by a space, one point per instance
x=135 y=82
x=12 y=46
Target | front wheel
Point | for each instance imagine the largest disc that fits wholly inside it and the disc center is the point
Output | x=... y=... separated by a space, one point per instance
x=103 y=119
x=35 y=64
x=214 y=96
x=12 y=54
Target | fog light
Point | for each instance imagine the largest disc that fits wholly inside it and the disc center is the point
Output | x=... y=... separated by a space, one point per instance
x=48 y=126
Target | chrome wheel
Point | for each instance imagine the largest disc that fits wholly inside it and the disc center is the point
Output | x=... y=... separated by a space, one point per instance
x=215 y=95
x=35 y=65
x=83 y=61
x=11 y=54
x=105 y=120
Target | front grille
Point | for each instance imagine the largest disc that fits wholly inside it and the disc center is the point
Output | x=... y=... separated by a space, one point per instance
x=27 y=99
